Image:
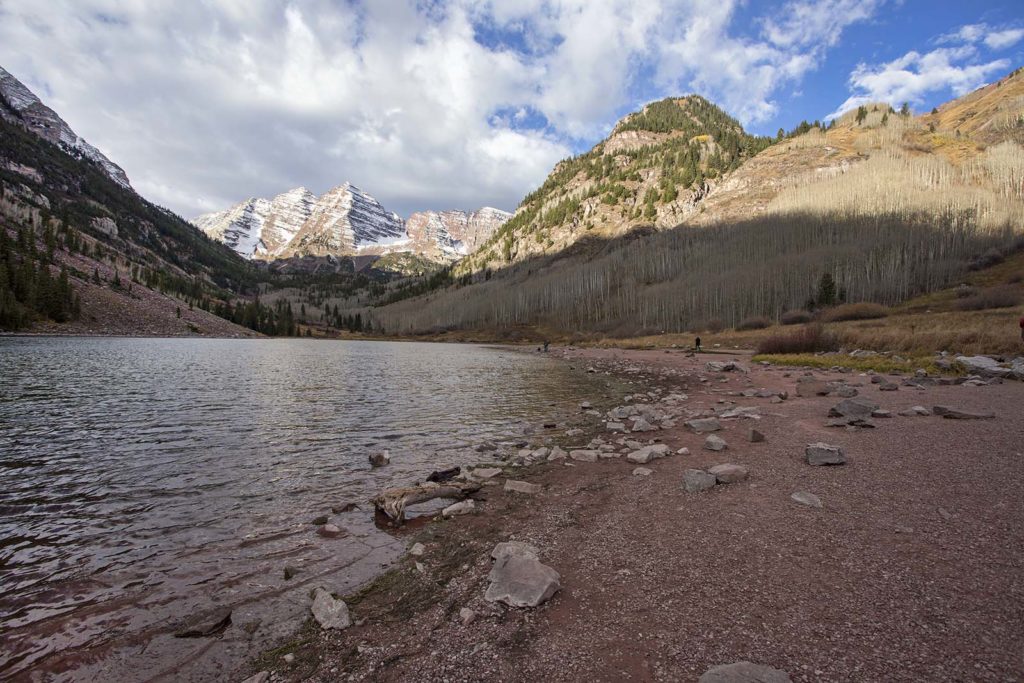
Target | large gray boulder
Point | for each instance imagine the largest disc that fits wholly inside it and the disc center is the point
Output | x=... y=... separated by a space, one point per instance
x=703 y=425
x=857 y=408
x=695 y=481
x=744 y=672
x=328 y=611
x=823 y=454
x=519 y=580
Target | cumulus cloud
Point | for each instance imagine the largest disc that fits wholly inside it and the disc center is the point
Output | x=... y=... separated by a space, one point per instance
x=445 y=104
x=912 y=78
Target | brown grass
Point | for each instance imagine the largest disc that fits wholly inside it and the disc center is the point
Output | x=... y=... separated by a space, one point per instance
x=858 y=311
x=796 y=317
x=1001 y=296
x=809 y=339
x=754 y=323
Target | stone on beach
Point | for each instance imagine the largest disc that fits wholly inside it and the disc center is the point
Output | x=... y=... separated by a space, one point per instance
x=379 y=459
x=695 y=481
x=715 y=443
x=642 y=472
x=467 y=616
x=857 y=408
x=557 y=454
x=955 y=414
x=648 y=453
x=729 y=473
x=584 y=455
x=328 y=611
x=331 y=531
x=754 y=436
x=461 y=508
x=616 y=426
x=519 y=579
x=483 y=473
x=808 y=386
x=703 y=425
x=743 y=672
x=508 y=548
x=417 y=549
x=522 y=487
x=824 y=454
x=808 y=499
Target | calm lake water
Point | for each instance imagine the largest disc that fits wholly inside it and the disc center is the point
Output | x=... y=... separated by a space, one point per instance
x=147 y=485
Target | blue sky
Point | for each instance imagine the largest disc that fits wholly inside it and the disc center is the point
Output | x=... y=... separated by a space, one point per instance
x=460 y=103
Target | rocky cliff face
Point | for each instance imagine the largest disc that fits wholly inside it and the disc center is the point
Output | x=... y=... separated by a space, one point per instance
x=345 y=221
x=450 y=235
x=44 y=122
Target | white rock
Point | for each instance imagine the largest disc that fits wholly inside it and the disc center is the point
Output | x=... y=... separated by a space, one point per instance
x=417 y=549
x=329 y=612
x=642 y=472
x=584 y=455
x=461 y=508
x=522 y=487
x=467 y=616
x=808 y=499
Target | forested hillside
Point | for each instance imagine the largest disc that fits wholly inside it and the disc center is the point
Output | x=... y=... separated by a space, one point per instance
x=653 y=169
x=886 y=204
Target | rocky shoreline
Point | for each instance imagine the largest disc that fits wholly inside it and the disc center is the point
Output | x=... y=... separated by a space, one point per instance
x=726 y=521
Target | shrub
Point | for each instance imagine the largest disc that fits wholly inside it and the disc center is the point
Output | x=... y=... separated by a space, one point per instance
x=715 y=326
x=795 y=317
x=858 y=311
x=754 y=323
x=990 y=258
x=810 y=339
x=1003 y=296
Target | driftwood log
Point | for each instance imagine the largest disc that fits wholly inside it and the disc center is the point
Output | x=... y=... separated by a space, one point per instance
x=393 y=502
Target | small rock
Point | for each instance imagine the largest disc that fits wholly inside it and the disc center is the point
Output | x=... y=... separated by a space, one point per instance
x=616 y=427
x=824 y=454
x=584 y=455
x=642 y=472
x=330 y=531
x=743 y=672
x=754 y=436
x=288 y=658
x=889 y=386
x=379 y=459
x=695 y=481
x=715 y=443
x=853 y=408
x=729 y=473
x=683 y=451
x=461 y=508
x=701 y=426
x=482 y=473
x=808 y=499
x=522 y=487
x=321 y=520
x=289 y=572
x=328 y=611
x=557 y=454
x=846 y=392
x=467 y=616
x=880 y=413
x=417 y=549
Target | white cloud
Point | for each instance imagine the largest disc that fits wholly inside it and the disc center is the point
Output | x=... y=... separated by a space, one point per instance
x=1000 y=40
x=231 y=98
x=914 y=76
x=995 y=38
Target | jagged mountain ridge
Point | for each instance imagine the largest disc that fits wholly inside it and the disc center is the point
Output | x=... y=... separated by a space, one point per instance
x=44 y=122
x=345 y=221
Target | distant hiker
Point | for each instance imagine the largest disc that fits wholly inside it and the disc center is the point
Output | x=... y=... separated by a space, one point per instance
x=696 y=344
x=546 y=341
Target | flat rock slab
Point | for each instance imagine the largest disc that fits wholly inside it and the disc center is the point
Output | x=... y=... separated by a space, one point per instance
x=485 y=473
x=824 y=454
x=703 y=425
x=695 y=481
x=584 y=455
x=521 y=581
x=642 y=472
x=808 y=499
x=729 y=473
x=328 y=611
x=744 y=672
x=715 y=443
x=858 y=407
x=955 y=414
x=807 y=387
x=648 y=453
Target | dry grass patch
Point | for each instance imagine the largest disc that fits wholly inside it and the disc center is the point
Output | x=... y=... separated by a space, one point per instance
x=810 y=339
x=858 y=311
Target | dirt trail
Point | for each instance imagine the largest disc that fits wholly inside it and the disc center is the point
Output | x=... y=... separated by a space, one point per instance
x=912 y=570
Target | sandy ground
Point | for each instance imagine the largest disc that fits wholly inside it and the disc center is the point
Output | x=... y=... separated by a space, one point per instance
x=913 y=569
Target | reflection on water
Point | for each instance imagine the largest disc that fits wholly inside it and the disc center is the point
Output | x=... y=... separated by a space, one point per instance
x=147 y=481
